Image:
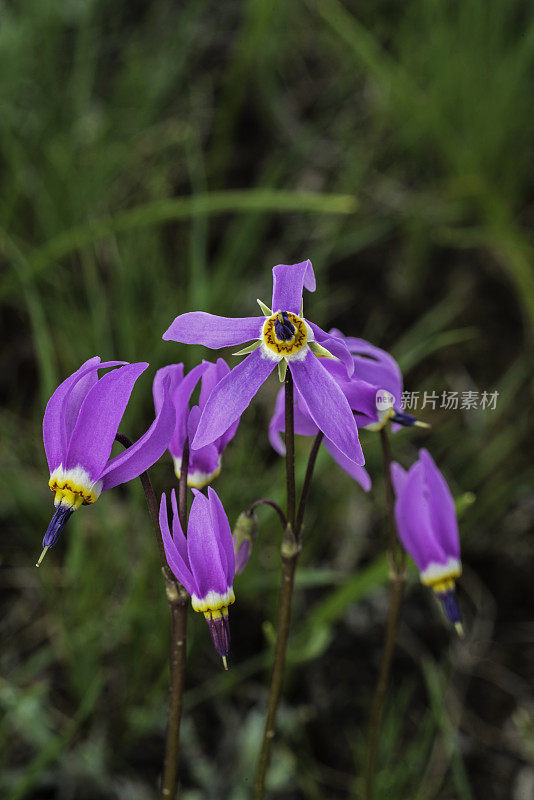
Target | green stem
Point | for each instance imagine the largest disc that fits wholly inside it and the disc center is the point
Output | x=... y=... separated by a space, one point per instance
x=397 y=581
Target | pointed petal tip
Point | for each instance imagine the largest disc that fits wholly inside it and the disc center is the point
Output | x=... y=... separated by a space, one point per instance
x=39 y=562
x=459 y=630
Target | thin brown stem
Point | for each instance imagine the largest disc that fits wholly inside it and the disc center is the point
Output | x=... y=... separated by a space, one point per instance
x=177 y=598
x=179 y=608
x=397 y=581
x=307 y=483
x=266 y=501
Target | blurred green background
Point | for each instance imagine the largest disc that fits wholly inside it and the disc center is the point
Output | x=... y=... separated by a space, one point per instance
x=162 y=156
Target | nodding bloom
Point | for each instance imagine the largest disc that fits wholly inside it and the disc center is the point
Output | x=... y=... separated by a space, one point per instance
x=378 y=369
x=79 y=427
x=205 y=462
x=428 y=528
x=204 y=563
x=244 y=536
x=281 y=338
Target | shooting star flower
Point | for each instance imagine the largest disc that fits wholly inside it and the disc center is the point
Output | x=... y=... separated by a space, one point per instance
x=79 y=427
x=428 y=528
x=204 y=563
x=282 y=338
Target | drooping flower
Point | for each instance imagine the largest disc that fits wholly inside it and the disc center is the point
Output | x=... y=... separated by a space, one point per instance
x=244 y=536
x=283 y=337
x=204 y=563
x=428 y=528
x=205 y=462
x=379 y=369
x=79 y=427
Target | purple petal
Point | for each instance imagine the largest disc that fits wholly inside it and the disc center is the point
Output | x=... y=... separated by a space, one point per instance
x=178 y=535
x=327 y=405
x=176 y=373
x=197 y=327
x=399 y=476
x=175 y=561
x=376 y=366
x=361 y=397
x=211 y=377
x=203 y=461
x=99 y=419
x=146 y=450
x=359 y=474
x=55 y=438
x=222 y=528
x=442 y=509
x=181 y=397
x=277 y=424
x=414 y=524
x=336 y=346
x=231 y=396
x=207 y=559
x=289 y=281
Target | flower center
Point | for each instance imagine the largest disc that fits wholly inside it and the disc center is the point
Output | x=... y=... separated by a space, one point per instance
x=284 y=333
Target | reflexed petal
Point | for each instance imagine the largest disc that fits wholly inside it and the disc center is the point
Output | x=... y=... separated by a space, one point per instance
x=99 y=419
x=55 y=437
x=211 y=377
x=442 y=509
x=207 y=560
x=175 y=561
x=178 y=535
x=204 y=463
x=176 y=373
x=303 y=424
x=376 y=366
x=399 y=476
x=414 y=523
x=289 y=281
x=197 y=327
x=359 y=474
x=222 y=529
x=181 y=397
x=146 y=450
x=231 y=396
x=336 y=346
x=277 y=424
x=327 y=405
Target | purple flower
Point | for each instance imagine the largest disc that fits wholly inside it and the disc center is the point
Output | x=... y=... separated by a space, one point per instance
x=204 y=563
x=380 y=370
x=281 y=338
x=428 y=528
x=205 y=462
x=79 y=427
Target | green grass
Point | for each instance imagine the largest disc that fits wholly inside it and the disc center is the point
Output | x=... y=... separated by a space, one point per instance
x=164 y=157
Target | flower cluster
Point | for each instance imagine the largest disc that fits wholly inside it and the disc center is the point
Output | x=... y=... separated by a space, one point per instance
x=340 y=385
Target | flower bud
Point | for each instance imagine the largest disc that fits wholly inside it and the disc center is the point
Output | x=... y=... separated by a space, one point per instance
x=244 y=536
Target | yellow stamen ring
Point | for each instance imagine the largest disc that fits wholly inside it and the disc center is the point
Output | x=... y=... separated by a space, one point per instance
x=285 y=347
x=72 y=488
x=213 y=603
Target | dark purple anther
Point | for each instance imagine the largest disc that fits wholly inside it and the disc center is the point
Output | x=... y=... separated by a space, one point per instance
x=450 y=605
x=284 y=329
x=220 y=632
x=57 y=523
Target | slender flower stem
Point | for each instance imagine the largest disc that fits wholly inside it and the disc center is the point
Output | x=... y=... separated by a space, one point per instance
x=397 y=581
x=179 y=608
x=266 y=501
x=177 y=598
x=290 y=552
x=307 y=482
